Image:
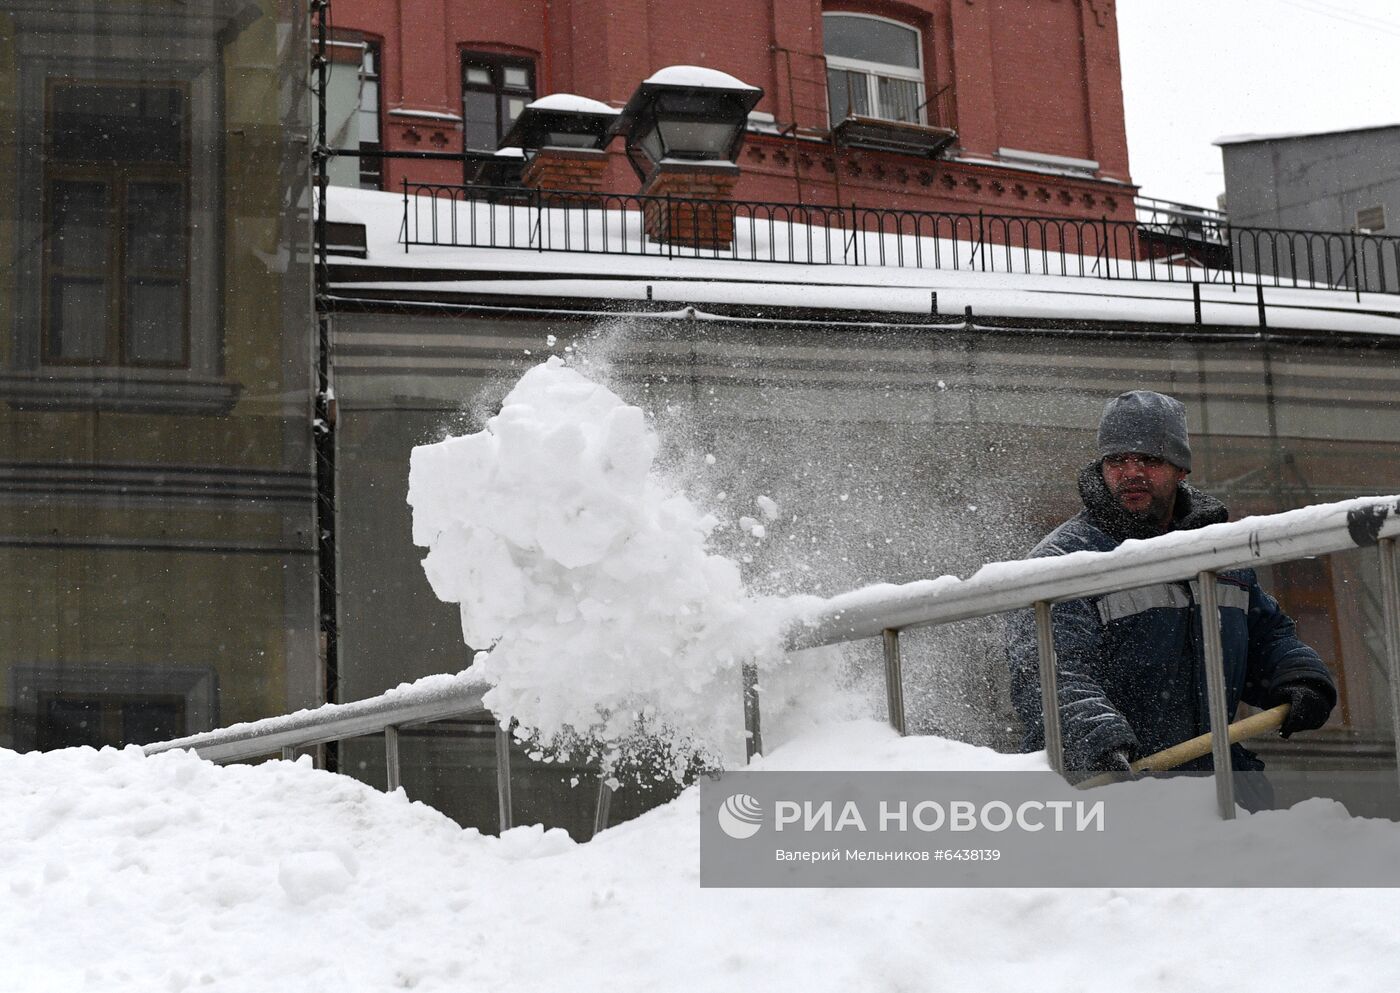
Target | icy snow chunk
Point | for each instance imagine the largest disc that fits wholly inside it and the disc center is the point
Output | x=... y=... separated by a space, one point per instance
x=768 y=506
x=304 y=876
x=587 y=572
x=709 y=459
x=533 y=841
x=752 y=526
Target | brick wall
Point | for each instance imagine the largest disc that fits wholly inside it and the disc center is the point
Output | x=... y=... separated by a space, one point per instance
x=1035 y=75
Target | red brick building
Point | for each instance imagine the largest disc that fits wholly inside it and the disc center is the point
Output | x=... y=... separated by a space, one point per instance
x=1029 y=90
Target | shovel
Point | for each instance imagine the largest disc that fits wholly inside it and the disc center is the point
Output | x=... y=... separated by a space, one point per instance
x=1252 y=726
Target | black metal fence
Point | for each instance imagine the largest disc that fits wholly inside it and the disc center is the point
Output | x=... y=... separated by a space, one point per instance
x=1163 y=248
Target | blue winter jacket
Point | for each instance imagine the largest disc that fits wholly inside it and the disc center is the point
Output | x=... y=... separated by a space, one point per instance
x=1130 y=664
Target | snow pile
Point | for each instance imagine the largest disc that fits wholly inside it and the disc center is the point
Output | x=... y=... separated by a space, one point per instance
x=122 y=873
x=587 y=577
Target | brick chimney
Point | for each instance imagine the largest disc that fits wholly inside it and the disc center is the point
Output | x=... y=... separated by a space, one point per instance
x=697 y=210
x=571 y=170
x=683 y=127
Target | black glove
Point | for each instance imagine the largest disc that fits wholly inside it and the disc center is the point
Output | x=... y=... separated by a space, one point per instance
x=1113 y=760
x=1308 y=707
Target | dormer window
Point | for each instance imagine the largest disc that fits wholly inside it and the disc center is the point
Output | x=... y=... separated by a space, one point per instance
x=874 y=69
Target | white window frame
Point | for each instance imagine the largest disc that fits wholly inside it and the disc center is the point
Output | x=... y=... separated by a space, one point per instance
x=873 y=69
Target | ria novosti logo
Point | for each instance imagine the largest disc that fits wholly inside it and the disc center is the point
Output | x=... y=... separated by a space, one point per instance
x=740 y=816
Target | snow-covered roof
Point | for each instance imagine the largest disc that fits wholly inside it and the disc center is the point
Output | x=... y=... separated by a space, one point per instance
x=1244 y=139
x=698 y=76
x=572 y=102
x=905 y=293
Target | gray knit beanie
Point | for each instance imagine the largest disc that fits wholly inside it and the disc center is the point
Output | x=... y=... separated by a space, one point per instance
x=1148 y=423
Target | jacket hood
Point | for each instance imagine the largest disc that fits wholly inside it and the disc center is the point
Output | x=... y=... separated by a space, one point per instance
x=1194 y=508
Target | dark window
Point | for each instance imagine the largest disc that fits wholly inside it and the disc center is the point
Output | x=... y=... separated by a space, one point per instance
x=116 y=196
x=495 y=90
x=371 y=168
x=98 y=719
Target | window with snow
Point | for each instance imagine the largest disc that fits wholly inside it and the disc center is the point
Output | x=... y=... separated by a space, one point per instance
x=874 y=68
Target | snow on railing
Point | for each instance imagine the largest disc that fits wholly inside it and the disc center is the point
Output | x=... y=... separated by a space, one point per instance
x=884 y=611
x=1166 y=248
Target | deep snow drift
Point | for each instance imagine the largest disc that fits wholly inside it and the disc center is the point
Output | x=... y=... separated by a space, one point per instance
x=124 y=873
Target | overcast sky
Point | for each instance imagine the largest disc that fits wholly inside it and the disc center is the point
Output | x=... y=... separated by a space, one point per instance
x=1194 y=70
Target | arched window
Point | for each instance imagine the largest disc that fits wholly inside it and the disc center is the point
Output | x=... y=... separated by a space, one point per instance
x=874 y=68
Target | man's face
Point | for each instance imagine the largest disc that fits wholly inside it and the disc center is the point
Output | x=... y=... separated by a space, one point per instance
x=1143 y=485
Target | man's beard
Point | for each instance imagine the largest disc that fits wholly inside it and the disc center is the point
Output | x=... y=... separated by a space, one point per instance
x=1155 y=513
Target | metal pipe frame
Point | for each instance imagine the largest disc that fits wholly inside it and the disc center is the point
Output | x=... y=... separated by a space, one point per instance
x=994 y=589
x=1049 y=687
x=1243 y=544
x=391 y=758
x=1215 y=694
x=1389 y=551
x=503 y=778
x=332 y=722
x=601 y=809
x=753 y=725
x=894 y=681
x=1005 y=586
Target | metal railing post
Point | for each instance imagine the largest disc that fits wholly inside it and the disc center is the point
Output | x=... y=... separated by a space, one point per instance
x=391 y=758
x=539 y=220
x=289 y=754
x=981 y=241
x=503 y=777
x=855 y=234
x=1107 y=263
x=1234 y=263
x=753 y=730
x=894 y=681
x=1390 y=612
x=1355 y=267
x=1209 y=599
x=1049 y=687
x=405 y=215
x=670 y=227
x=600 y=810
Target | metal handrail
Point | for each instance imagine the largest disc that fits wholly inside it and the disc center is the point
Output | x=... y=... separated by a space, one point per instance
x=887 y=611
x=446 y=215
x=1005 y=586
x=434 y=699
x=333 y=722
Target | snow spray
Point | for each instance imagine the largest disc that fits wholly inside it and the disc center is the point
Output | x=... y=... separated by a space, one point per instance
x=609 y=621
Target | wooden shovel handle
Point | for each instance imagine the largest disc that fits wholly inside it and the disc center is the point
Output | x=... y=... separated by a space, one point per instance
x=1169 y=758
x=1251 y=727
